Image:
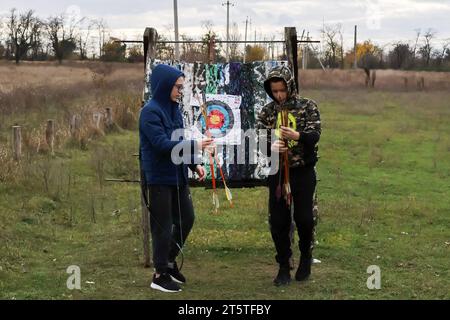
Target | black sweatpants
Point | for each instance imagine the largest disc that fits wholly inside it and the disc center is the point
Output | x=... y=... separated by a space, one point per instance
x=170 y=222
x=303 y=184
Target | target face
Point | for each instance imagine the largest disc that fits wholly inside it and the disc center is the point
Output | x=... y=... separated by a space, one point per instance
x=220 y=119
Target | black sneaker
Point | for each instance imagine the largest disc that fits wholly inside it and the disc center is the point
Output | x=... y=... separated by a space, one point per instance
x=175 y=273
x=165 y=283
x=283 y=277
x=304 y=269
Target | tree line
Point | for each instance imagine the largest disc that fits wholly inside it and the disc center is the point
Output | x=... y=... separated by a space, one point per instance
x=25 y=36
x=423 y=52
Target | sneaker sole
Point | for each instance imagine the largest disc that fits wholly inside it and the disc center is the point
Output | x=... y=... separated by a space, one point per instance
x=158 y=287
x=176 y=280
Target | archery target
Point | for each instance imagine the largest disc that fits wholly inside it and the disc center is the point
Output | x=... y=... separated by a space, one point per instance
x=220 y=119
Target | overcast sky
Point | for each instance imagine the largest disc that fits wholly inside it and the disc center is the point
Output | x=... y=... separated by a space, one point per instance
x=382 y=21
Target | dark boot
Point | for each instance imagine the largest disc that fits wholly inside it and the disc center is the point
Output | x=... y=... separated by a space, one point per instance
x=283 y=277
x=304 y=269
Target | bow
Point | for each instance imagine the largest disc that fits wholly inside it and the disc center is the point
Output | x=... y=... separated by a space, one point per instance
x=214 y=158
x=286 y=188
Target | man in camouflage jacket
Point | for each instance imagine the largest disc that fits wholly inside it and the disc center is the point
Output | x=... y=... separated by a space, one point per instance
x=299 y=139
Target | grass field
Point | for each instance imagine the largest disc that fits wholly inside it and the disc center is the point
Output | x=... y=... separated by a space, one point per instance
x=383 y=199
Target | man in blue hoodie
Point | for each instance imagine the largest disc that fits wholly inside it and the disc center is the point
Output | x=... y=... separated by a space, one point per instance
x=169 y=198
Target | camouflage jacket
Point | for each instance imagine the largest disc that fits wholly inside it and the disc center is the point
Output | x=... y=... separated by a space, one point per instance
x=303 y=115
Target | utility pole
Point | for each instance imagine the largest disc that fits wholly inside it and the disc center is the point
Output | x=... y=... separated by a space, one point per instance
x=306 y=51
x=303 y=51
x=228 y=4
x=355 y=64
x=245 y=39
x=175 y=18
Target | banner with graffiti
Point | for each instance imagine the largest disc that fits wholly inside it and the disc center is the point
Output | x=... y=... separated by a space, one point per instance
x=235 y=95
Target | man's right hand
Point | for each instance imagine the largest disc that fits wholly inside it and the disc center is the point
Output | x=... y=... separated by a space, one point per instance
x=204 y=143
x=279 y=147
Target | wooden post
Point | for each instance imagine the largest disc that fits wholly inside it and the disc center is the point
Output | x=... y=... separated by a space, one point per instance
x=97 y=117
x=146 y=232
x=290 y=36
x=109 y=118
x=373 y=78
x=150 y=38
x=50 y=135
x=145 y=222
x=75 y=126
x=421 y=83
x=17 y=142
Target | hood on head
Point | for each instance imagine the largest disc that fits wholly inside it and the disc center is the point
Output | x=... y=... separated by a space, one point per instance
x=163 y=79
x=284 y=73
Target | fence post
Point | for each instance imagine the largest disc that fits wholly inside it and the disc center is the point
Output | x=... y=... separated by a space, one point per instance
x=17 y=142
x=150 y=38
x=109 y=118
x=50 y=135
x=290 y=36
x=146 y=232
x=373 y=78
x=97 y=117
x=75 y=126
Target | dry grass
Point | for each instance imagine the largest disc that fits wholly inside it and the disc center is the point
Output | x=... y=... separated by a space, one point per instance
x=391 y=80
x=36 y=74
x=31 y=93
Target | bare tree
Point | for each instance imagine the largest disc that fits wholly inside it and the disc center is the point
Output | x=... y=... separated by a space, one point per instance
x=332 y=46
x=36 y=41
x=442 y=55
x=234 y=36
x=191 y=51
x=60 y=37
x=102 y=31
x=2 y=47
x=427 y=48
x=165 y=51
x=83 y=38
x=400 y=56
x=446 y=49
x=210 y=47
x=414 y=51
x=20 y=29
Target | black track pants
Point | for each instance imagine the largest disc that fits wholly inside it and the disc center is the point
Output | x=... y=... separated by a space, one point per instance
x=303 y=184
x=170 y=222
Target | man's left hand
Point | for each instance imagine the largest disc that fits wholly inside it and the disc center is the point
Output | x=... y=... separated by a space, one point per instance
x=201 y=173
x=288 y=133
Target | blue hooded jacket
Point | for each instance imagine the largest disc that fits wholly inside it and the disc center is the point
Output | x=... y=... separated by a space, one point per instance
x=158 y=119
